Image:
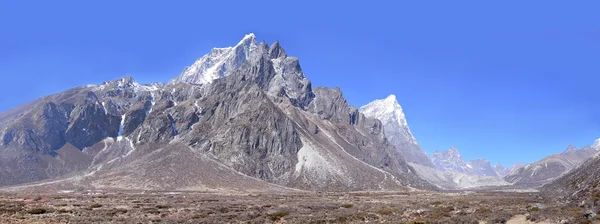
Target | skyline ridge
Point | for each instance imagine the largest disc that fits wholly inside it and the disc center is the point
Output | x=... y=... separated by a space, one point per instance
x=523 y=85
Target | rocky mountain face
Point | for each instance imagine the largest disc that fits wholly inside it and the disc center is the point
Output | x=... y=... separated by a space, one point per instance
x=550 y=168
x=390 y=113
x=242 y=117
x=581 y=184
x=452 y=161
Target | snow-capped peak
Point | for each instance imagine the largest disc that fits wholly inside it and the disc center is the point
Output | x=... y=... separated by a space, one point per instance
x=396 y=129
x=218 y=62
x=248 y=38
x=596 y=145
x=391 y=99
x=127 y=82
x=389 y=110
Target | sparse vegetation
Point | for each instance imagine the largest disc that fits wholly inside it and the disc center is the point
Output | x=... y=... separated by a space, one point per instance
x=37 y=211
x=385 y=212
x=484 y=210
x=596 y=195
x=199 y=216
x=278 y=215
x=534 y=209
x=370 y=207
x=437 y=203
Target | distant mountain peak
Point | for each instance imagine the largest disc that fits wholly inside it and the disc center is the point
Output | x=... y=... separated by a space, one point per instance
x=570 y=149
x=454 y=153
x=452 y=161
x=396 y=129
x=389 y=110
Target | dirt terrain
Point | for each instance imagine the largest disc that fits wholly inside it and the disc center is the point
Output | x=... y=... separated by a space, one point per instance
x=355 y=207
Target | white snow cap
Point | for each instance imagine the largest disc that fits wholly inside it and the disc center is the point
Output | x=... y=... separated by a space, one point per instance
x=596 y=145
x=247 y=37
x=391 y=98
x=389 y=110
x=218 y=62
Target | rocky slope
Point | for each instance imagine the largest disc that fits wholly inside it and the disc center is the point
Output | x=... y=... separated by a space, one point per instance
x=390 y=113
x=581 y=184
x=242 y=117
x=550 y=168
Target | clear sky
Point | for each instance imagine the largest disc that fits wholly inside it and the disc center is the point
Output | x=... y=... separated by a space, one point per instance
x=505 y=80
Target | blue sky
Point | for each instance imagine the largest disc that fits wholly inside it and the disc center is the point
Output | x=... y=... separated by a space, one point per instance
x=506 y=80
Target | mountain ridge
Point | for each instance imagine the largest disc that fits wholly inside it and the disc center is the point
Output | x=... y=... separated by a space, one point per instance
x=247 y=108
x=551 y=167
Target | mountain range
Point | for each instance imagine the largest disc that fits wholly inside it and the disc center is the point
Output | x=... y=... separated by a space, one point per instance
x=239 y=118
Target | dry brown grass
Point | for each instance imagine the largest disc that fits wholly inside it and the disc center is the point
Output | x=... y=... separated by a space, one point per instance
x=195 y=207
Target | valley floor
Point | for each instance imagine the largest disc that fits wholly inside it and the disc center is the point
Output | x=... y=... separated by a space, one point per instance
x=356 y=207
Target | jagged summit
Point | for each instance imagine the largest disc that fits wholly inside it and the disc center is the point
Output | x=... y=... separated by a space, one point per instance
x=449 y=161
x=248 y=38
x=453 y=152
x=452 y=161
x=276 y=51
x=396 y=128
x=218 y=62
x=390 y=110
x=279 y=74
